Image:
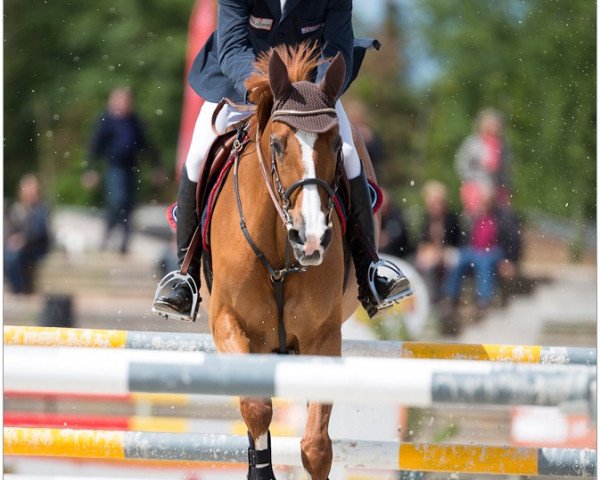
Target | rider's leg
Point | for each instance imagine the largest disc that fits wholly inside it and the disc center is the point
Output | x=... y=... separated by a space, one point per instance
x=179 y=300
x=361 y=229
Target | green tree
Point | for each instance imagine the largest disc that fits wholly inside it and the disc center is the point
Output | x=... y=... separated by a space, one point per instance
x=382 y=87
x=536 y=62
x=61 y=60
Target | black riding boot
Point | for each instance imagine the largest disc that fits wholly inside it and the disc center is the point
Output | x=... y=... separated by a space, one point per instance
x=361 y=234
x=178 y=302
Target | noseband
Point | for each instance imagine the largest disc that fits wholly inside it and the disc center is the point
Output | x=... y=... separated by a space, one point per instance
x=282 y=204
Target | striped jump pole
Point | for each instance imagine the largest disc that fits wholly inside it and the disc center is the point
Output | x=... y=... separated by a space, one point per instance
x=140 y=404
x=135 y=423
x=286 y=451
x=133 y=398
x=10 y=476
x=92 y=338
x=413 y=382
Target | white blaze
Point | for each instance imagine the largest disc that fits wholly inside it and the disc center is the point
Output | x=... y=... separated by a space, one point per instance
x=314 y=218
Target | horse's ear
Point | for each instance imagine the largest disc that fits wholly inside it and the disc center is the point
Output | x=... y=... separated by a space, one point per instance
x=278 y=77
x=332 y=82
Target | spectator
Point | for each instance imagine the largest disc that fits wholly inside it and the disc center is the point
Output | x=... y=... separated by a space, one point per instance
x=437 y=249
x=27 y=239
x=485 y=250
x=483 y=158
x=119 y=137
x=393 y=238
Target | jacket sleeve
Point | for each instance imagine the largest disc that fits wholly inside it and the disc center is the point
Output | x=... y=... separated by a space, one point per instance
x=236 y=55
x=452 y=230
x=98 y=142
x=37 y=236
x=339 y=37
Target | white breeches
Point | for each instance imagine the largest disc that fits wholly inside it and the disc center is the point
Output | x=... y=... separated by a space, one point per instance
x=204 y=137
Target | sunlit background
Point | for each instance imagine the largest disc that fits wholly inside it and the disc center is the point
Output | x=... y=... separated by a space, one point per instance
x=416 y=100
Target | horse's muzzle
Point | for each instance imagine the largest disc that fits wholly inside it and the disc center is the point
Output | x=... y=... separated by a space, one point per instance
x=309 y=251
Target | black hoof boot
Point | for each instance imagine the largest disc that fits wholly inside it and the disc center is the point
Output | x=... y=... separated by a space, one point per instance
x=259 y=461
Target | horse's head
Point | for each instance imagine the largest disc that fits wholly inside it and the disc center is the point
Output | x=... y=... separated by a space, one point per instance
x=305 y=153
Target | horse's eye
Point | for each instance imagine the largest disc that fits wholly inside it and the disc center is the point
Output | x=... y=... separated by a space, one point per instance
x=277 y=146
x=336 y=144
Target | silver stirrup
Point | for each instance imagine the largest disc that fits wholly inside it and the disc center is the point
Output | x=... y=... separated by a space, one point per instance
x=165 y=285
x=394 y=271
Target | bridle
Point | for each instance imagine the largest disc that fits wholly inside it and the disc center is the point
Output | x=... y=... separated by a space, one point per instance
x=281 y=201
x=282 y=204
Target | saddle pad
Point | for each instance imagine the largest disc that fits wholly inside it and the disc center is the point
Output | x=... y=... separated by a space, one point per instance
x=339 y=204
x=376 y=196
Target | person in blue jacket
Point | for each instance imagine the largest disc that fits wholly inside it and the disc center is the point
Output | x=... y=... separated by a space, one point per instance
x=119 y=137
x=245 y=28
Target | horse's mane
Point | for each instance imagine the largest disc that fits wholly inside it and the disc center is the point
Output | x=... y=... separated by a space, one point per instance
x=300 y=60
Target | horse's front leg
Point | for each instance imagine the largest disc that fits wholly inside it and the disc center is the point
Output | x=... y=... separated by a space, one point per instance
x=317 y=453
x=256 y=412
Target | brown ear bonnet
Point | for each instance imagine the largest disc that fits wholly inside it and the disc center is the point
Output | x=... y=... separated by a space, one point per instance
x=304 y=105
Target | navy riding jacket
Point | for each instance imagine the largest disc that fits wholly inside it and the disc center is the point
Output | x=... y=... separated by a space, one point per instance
x=246 y=28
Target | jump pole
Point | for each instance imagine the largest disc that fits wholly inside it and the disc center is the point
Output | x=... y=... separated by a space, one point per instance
x=419 y=383
x=135 y=423
x=122 y=339
x=286 y=451
x=11 y=476
x=70 y=477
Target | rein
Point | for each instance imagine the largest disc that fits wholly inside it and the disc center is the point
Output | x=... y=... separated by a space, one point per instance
x=282 y=205
x=277 y=276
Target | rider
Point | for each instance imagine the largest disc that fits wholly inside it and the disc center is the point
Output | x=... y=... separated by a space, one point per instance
x=246 y=28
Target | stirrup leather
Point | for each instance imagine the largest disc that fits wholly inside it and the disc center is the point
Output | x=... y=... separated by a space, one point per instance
x=385 y=303
x=165 y=286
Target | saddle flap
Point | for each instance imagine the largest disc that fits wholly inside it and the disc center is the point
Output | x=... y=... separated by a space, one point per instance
x=217 y=157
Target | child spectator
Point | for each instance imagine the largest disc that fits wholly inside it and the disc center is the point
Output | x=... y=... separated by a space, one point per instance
x=440 y=238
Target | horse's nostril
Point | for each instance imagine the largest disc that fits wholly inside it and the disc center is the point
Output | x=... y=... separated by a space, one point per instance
x=313 y=257
x=326 y=238
x=294 y=236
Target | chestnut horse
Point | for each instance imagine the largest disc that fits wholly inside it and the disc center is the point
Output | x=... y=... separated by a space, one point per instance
x=243 y=313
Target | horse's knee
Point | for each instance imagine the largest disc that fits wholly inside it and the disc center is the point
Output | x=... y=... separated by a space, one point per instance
x=257 y=413
x=317 y=456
